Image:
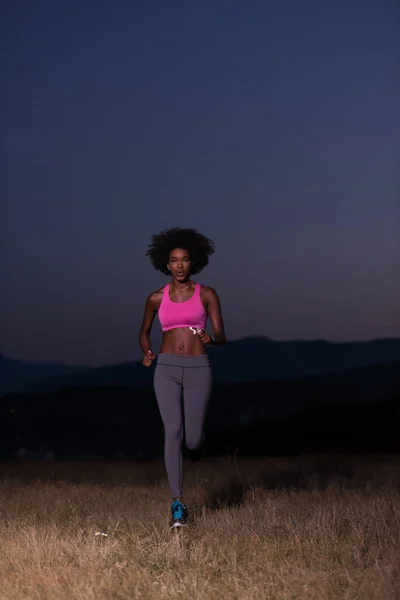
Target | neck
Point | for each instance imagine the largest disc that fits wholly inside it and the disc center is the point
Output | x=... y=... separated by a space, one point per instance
x=179 y=285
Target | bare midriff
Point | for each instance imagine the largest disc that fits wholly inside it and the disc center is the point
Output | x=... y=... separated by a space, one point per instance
x=182 y=341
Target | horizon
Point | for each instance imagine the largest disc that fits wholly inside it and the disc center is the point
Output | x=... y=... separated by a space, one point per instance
x=269 y=128
x=241 y=339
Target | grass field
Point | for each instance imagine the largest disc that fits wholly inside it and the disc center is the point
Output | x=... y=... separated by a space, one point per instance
x=308 y=527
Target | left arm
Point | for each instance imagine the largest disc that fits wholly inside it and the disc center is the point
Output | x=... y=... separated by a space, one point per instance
x=215 y=315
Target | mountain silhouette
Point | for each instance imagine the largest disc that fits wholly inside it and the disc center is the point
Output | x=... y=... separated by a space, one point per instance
x=258 y=358
x=19 y=374
x=248 y=359
x=356 y=409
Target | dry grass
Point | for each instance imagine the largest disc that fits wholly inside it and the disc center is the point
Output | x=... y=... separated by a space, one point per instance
x=309 y=528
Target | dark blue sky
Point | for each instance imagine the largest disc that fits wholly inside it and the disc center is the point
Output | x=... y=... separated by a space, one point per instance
x=272 y=126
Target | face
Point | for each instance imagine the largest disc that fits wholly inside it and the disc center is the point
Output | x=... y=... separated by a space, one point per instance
x=180 y=264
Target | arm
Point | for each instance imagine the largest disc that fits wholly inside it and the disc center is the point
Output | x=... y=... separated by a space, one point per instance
x=150 y=312
x=215 y=316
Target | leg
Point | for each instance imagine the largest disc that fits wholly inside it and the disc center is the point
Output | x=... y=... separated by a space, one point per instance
x=168 y=389
x=196 y=394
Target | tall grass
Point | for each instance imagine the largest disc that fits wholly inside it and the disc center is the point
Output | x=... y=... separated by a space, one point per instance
x=315 y=528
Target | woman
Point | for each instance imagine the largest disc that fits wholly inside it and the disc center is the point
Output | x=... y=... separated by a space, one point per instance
x=183 y=367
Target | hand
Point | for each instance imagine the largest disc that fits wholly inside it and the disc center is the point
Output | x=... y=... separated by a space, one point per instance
x=205 y=338
x=148 y=358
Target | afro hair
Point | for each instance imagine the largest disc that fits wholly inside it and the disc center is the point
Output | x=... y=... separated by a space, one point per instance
x=197 y=244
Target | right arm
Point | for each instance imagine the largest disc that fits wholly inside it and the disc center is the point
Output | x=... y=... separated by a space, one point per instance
x=150 y=311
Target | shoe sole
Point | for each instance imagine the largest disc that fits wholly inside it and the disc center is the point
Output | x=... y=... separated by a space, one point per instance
x=176 y=525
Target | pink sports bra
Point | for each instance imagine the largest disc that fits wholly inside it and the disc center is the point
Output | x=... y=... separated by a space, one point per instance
x=190 y=313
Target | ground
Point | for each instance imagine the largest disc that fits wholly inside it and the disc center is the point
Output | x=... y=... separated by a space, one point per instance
x=309 y=527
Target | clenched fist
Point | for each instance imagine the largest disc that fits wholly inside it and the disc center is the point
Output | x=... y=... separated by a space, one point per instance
x=148 y=358
x=205 y=337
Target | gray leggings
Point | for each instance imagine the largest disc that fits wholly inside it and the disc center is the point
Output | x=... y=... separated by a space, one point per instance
x=177 y=377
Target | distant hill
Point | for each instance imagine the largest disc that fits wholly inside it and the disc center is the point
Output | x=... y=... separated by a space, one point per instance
x=357 y=409
x=258 y=358
x=249 y=359
x=279 y=398
x=20 y=374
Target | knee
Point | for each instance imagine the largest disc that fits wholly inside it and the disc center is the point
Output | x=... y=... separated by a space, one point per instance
x=173 y=433
x=193 y=442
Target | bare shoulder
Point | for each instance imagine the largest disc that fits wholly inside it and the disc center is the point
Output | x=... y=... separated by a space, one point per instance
x=154 y=299
x=208 y=292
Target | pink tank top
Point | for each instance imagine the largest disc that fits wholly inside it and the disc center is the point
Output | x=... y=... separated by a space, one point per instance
x=190 y=313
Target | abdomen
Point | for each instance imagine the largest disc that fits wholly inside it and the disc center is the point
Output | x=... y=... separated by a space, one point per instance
x=181 y=340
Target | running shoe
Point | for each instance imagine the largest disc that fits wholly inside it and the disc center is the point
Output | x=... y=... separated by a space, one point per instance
x=179 y=514
x=196 y=455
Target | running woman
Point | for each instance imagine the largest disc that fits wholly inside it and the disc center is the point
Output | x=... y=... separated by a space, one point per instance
x=183 y=367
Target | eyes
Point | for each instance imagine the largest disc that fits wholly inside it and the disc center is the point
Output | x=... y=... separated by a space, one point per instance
x=173 y=260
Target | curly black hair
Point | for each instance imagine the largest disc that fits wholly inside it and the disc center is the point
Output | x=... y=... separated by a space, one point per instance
x=197 y=244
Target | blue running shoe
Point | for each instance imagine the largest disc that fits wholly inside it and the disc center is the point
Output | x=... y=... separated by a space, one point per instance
x=179 y=514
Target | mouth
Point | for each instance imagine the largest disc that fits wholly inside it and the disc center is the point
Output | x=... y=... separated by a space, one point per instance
x=180 y=273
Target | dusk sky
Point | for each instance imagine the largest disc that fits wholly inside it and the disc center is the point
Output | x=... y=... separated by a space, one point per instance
x=272 y=126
